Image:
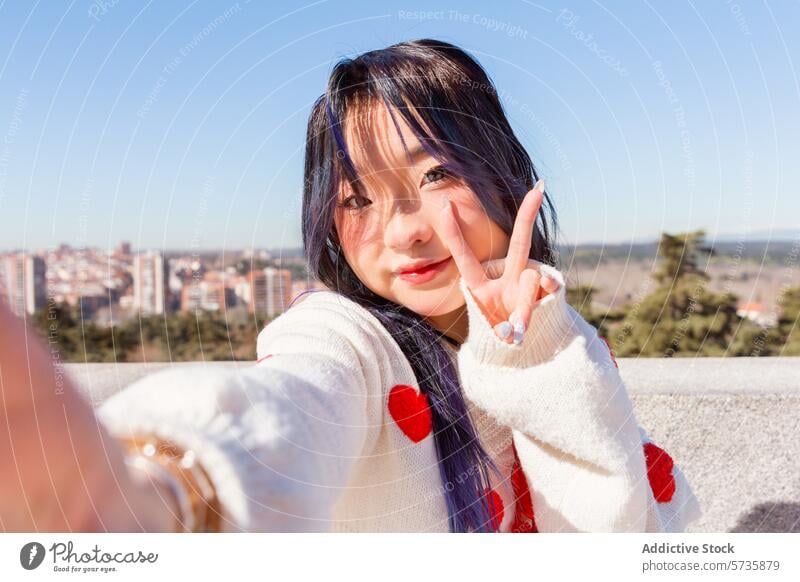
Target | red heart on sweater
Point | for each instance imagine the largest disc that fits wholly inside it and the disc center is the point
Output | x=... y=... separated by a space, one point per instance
x=524 y=519
x=659 y=472
x=496 y=507
x=410 y=411
x=521 y=492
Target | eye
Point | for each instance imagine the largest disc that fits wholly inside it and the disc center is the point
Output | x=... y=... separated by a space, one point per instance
x=434 y=175
x=347 y=203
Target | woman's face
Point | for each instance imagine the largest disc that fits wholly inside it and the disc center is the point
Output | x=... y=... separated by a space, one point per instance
x=397 y=222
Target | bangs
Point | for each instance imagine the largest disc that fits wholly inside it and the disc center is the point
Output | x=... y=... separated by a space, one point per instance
x=447 y=101
x=353 y=130
x=435 y=93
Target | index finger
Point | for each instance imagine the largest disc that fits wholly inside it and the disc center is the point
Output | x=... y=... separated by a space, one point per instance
x=466 y=262
x=519 y=247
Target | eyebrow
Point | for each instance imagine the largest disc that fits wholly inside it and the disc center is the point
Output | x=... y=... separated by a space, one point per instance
x=417 y=152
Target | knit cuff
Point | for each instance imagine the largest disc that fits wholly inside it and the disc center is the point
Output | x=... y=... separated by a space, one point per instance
x=550 y=324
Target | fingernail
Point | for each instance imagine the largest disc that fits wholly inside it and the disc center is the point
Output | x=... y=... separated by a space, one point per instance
x=519 y=331
x=539 y=185
x=503 y=329
x=445 y=202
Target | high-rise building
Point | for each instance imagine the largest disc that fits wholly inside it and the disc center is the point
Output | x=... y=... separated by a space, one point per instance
x=270 y=291
x=241 y=289
x=279 y=290
x=23 y=282
x=209 y=294
x=257 y=295
x=150 y=291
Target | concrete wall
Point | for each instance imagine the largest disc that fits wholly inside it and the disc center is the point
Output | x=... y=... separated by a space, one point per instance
x=731 y=424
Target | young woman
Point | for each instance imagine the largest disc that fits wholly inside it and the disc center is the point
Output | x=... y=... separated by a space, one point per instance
x=442 y=383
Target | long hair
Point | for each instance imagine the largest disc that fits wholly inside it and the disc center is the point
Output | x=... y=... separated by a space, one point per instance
x=448 y=101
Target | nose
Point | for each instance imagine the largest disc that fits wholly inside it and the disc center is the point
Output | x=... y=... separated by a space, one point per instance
x=409 y=222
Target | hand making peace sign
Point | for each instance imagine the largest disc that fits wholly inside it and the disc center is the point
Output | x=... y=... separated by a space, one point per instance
x=508 y=301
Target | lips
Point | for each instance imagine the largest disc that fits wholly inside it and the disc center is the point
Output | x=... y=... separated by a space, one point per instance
x=420 y=267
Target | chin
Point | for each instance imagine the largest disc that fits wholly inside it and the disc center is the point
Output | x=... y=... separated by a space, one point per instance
x=437 y=308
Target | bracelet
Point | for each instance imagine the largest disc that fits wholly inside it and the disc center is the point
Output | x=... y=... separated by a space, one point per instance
x=190 y=486
x=180 y=498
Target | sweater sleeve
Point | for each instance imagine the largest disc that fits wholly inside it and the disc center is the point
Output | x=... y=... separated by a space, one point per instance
x=278 y=438
x=576 y=436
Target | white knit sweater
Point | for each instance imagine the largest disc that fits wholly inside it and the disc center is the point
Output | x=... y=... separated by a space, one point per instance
x=328 y=431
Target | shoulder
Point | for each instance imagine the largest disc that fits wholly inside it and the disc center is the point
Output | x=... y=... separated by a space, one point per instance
x=329 y=320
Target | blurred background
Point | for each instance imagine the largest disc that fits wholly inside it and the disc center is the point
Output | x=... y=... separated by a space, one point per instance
x=151 y=163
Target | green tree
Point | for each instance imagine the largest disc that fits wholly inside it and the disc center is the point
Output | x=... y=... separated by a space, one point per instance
x=789 y=323
x=681 y=317
x=244 y=266
x=57 y=325
x=175 y=337
x=678 y=255
x=580 y=298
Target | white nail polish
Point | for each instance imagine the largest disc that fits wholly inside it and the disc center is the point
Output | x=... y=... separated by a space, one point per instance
x=539 y=185
x=519 y=331
x=504 y=329
x=445 y=202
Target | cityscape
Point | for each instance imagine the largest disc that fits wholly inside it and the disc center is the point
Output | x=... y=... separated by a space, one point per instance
x=655 y=299
x=108 y=287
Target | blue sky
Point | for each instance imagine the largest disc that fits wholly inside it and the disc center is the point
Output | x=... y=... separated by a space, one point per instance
x=181 y=125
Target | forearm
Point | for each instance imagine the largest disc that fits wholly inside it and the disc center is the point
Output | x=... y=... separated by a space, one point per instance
x=59 y=469
x=574 y=425
x=572 y=495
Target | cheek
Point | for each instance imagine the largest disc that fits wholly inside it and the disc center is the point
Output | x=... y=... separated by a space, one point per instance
x=484 y=236
x=354 y=233
x=361 y=244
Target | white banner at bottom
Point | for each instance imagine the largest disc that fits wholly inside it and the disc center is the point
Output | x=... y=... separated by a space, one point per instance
x=401 y=557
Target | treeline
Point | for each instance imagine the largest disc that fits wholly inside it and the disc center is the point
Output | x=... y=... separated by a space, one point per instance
x=158 y=338
x=681 y=317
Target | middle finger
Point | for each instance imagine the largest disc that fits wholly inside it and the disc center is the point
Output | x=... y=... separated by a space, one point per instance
x=519 y=246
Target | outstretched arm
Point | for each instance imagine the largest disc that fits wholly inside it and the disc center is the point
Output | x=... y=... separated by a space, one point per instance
x=60 y=470
x=279 y=438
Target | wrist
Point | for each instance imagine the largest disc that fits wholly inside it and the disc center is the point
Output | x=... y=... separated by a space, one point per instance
x=155 y=493
x=550 y=324
x=180 y=485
